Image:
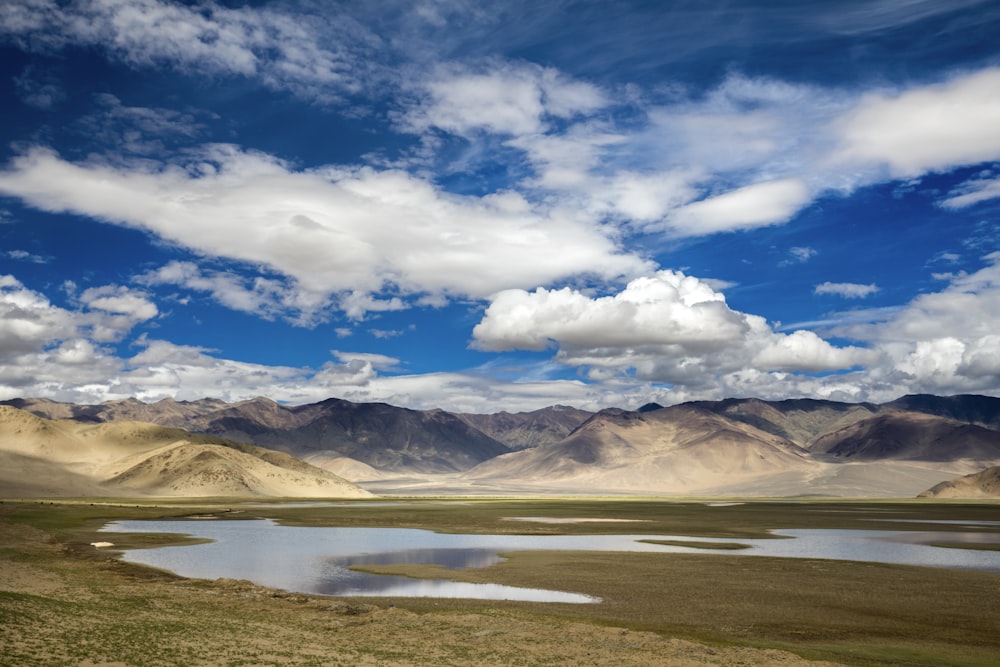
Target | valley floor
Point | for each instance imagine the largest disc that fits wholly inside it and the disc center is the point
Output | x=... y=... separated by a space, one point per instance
x=65 y=602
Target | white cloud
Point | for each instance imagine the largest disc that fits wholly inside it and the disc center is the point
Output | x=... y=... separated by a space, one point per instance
x=802 y=254
x=926 y=129
x=500 y=98
x=25 y=256
x=118 y=300
x=973 y=192
x=352 y=232
x=378 y=361
x=756 y=205
x=28 y=321
x=847 y=290
x=264 y=297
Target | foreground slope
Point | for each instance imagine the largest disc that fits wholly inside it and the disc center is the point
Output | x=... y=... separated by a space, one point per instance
x=985 y=484
x=42 y=457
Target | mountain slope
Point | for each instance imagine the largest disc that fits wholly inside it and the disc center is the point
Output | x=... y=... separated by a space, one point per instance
x=71 y=458
x=799 y=420
x=524 y=430
x=380 y=435
x=910 y=436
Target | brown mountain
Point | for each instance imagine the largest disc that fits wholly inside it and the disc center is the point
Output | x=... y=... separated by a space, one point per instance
x=380 y=435
x=671 y=450
x=985 y=484
x=799 y=420
x=525 y=430
x=42 y=457
x=979 y=410
x=910 y=436
x=166 y=412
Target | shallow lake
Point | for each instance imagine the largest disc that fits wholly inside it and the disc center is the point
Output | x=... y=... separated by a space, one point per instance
x=317 y=560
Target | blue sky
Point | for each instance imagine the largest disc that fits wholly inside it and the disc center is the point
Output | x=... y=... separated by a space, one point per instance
x=499 y=206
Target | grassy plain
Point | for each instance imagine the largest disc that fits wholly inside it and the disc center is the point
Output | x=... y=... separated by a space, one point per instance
x=64 y=602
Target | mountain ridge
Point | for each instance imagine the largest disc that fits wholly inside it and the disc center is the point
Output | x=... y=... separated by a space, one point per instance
x=738 y=445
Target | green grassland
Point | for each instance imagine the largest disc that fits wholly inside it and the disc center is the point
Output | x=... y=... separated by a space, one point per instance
x=844 y=612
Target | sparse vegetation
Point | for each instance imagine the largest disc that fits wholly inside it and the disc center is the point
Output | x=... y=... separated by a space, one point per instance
x=63 y=602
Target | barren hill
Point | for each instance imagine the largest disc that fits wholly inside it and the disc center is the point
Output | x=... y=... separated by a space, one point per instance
x=42 y=457
x=672 y=450
x=985 y=484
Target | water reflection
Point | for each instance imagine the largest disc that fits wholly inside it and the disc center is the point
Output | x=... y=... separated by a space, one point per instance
x=318 y=560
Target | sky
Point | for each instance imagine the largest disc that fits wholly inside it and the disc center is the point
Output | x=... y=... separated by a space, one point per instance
x=486 y=206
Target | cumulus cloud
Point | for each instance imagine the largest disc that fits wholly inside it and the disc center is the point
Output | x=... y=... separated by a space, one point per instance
x=669 y=309
x=345 y=231
x=847 y=290
x=668 y=328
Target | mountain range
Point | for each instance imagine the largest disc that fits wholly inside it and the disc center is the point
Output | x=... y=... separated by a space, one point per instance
x=729 y=447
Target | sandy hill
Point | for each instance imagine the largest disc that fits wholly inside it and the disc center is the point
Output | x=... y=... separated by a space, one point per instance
x=43 y=457
x=985 y=484
x=673 y=450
